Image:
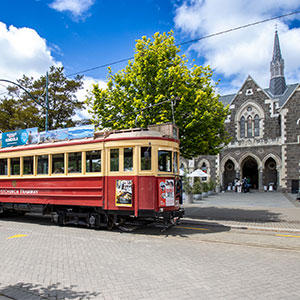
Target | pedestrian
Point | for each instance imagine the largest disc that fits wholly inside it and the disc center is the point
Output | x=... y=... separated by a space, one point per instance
x=239 y=186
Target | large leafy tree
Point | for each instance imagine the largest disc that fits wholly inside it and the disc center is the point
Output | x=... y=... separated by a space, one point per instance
x=141 y=94
x=18 y=110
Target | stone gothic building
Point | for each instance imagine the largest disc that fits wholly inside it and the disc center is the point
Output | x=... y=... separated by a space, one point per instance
x=265 y=128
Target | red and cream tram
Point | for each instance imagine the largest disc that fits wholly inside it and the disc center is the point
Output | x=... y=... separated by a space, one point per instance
x=116 y=177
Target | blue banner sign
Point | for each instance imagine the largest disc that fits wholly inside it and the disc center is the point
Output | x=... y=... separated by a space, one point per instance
x=20 y=137
x=31 y=135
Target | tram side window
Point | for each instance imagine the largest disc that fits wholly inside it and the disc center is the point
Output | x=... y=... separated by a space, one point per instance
x=15 y=166
x=28 y=165
x=114 y=159
x=74 y=162
x=175 y=162
x=3 y=166
x=165 y=161
x=128 y=159
x=42 y=164
x=58 y=165
x=93 y=161
x=145 y=158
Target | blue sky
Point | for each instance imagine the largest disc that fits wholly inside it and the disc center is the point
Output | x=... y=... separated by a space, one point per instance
x=81 y=34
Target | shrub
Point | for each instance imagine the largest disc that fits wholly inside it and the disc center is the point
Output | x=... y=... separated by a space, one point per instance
x=187 y=188
x=211 y=185
x=197 y=187
x=205 y=187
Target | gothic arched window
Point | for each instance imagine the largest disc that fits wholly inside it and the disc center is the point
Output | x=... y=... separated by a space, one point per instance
x=256 y=125
x=249 y=127
x=204 y=167
x=242 y=127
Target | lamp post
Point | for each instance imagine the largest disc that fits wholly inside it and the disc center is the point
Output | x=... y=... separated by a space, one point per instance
x=36 y=100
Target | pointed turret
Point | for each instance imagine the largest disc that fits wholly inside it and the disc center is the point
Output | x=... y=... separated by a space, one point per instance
x=277 y=82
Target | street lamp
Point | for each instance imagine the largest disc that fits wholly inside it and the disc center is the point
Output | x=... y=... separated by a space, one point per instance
x=36 y=100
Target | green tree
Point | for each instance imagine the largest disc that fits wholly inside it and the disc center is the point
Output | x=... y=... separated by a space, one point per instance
x=157 y=74
x=18 y=110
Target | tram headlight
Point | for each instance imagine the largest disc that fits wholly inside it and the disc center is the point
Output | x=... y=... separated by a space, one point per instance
x=161 y=210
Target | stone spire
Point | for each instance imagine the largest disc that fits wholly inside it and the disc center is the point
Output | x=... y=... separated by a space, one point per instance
x=277 y=82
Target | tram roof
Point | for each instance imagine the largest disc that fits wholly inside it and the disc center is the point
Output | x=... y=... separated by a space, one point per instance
x=152 y=132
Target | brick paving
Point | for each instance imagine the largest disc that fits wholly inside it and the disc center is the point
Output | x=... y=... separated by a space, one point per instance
x=272 y=211
x=50 y=262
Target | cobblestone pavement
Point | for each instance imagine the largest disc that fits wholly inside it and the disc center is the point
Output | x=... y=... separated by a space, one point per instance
x=274 y=211
x=41 y=261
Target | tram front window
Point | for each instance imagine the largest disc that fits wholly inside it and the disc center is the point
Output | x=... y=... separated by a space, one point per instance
x=175 y=163
x=165 y=161
x=114 y=160
x=128 y=159
x=145 y=158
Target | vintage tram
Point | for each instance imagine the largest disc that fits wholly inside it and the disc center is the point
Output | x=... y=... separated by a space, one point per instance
x=110 y=179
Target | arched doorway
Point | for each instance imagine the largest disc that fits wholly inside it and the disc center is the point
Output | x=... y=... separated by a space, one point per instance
x=229 y=173
x=270 y=173
x=250 y=171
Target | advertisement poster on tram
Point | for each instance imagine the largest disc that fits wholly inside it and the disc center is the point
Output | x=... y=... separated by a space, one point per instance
x=166 y=192
x=124 y=193
x=20 y=137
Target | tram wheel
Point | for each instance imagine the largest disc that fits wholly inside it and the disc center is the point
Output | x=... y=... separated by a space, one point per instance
x=110 y=223
x=61 y=219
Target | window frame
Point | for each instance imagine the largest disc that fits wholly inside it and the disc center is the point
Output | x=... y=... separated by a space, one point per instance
x=256 y=126
x=242 y=127
x=85 y=161
x=7 y=167
x=81 y=168
x=65 y=165
x=249 y=127
x=33 y=165
x=123 y=162
x=37 y=165
x=10 y=166
x=109 y=157
x=171 y=162
x=152 y=151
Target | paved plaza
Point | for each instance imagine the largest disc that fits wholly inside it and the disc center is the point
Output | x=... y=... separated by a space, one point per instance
x=275 y=211
x=190 y=261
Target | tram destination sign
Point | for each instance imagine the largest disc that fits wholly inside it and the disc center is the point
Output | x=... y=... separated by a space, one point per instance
x=19 y=137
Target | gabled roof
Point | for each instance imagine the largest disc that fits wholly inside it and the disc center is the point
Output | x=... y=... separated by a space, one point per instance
x=282 y=98
x=227 y=99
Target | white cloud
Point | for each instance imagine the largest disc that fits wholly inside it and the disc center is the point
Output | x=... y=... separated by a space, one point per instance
x=76 y=7
x=82 y=94
x=23 y=51
x=236 y=54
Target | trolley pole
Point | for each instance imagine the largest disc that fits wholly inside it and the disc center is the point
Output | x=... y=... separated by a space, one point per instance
x=47 y=103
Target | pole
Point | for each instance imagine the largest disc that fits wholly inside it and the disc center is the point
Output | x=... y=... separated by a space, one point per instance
x=47 y=103
x=172 y=106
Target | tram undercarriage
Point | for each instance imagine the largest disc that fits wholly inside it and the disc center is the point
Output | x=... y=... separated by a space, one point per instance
x=95 y=217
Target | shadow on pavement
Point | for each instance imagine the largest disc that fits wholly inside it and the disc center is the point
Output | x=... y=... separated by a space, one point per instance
x=29 y=218
x=181 y=230
x=232 y=214
x=144 y=230
x=31 y=291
